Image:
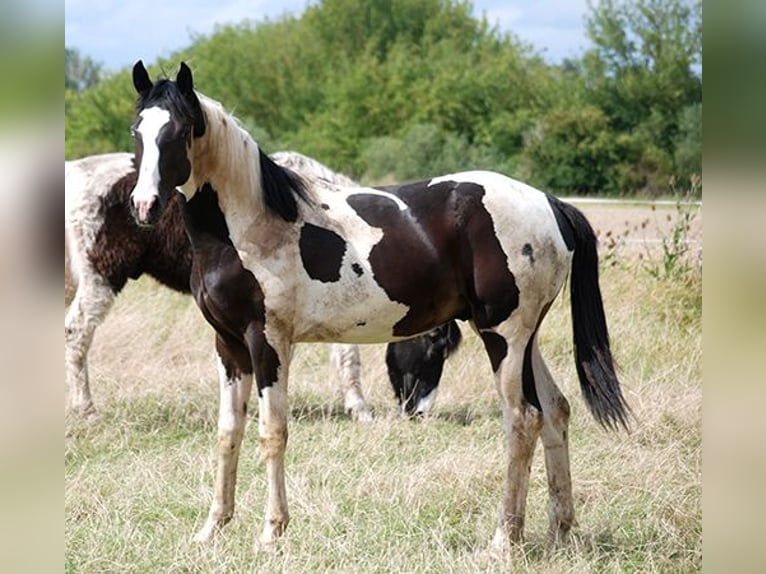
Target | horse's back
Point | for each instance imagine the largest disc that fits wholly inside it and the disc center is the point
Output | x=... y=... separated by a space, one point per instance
x=90 y=178
x=89 y=184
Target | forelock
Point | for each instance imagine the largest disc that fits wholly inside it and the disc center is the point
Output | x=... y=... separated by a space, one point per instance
x=165 y=94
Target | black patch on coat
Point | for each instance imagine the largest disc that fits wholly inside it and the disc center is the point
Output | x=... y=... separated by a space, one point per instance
x=527 y=251
x=234 y=357
x=528 y=385
x=322 y=252
x=227 y=294
x=496 y=346
x=528 y=377
x=357 y=269
x=440 y=256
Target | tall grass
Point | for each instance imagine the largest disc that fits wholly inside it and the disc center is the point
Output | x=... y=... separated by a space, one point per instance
x=393 y=495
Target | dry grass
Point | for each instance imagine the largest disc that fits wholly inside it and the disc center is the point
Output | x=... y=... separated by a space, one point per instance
x=393 y=495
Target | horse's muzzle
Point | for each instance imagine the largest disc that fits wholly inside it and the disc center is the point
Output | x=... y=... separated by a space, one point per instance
x=145 y=212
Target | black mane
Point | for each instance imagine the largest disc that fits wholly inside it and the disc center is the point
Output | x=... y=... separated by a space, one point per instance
x=281 y=187
x=166 y=94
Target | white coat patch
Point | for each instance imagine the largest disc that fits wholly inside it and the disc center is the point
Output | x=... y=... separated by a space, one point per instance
x=152 y=121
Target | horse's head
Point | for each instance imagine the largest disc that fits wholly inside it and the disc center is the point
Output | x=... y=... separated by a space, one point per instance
x=168 y=117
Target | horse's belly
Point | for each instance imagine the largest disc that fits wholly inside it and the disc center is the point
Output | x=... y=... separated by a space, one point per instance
x=332 y=313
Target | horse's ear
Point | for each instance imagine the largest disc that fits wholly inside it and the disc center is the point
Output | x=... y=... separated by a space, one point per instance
x=186 y=86
x=184 y=80
x=141 y=80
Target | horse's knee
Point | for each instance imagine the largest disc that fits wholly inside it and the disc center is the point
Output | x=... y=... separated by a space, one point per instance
x=273 y=445
x=556 y=417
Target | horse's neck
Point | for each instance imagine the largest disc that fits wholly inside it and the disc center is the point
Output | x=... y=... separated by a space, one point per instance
x=227 y=160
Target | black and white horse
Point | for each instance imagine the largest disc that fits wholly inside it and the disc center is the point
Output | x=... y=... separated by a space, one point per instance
x=278 y=260
x=415 y=367
x=105 y=248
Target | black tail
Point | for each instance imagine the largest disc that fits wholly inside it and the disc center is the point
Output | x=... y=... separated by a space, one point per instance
x=595 y=366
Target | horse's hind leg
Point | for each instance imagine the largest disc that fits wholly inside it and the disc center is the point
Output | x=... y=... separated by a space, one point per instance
x=345 y=368
x=235 y=380
x=91 y=303
x=555 y=440
x=522 y=427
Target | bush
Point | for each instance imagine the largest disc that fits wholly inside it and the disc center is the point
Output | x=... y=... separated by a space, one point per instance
x=424 y=151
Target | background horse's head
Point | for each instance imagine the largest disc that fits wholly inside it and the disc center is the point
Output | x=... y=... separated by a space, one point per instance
x=168 y=116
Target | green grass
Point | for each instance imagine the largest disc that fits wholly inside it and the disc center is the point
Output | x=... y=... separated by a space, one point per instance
x=393 y=495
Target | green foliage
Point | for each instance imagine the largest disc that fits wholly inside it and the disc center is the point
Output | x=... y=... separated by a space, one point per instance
x=675 y=263
x=642 y=72
x=423 y=150
x=568 y=150
x=80 y=72
x=98 y=120
x=352 y=82
x=688 y=153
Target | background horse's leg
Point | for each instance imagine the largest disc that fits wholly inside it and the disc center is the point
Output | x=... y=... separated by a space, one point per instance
x=522 y=428
x=345 y=373
x=90 y=305
x=556 y=443
x=271 y=365
x=235 y=381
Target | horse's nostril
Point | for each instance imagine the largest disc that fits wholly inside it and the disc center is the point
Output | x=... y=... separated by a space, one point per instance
x=144 y=210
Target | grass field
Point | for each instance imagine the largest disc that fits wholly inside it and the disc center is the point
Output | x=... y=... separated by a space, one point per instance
x=393 y=495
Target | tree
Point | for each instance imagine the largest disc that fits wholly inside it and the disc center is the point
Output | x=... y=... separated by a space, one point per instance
x=98 y=120
x=644 y=70
x=80 y=73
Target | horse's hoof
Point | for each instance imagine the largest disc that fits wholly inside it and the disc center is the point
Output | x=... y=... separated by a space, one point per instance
x=205 y=534
x=361 y=416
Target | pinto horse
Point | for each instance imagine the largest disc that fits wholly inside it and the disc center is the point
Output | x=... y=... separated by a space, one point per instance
x=278 y=260
x=104 y=248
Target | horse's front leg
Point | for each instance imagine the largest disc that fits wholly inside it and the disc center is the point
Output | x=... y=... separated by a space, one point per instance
x=235 y=381
x=271 y=360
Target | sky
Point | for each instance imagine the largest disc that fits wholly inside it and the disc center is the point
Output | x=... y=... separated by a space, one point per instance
x=117 y=33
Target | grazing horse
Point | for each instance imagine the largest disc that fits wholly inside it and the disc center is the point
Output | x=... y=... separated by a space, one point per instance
x=278 y=260
x=104 y=248
x=415 y=367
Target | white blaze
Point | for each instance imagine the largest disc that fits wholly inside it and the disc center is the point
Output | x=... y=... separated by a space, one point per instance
x=147 y=186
